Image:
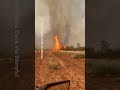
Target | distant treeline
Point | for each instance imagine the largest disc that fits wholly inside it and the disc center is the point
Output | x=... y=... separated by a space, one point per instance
x=103 y=51
x=91 y=53
x=72 y=48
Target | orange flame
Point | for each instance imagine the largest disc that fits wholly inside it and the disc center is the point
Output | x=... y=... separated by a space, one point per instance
x=57 y=43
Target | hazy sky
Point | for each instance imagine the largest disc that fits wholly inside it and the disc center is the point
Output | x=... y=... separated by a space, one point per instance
x=77 y=19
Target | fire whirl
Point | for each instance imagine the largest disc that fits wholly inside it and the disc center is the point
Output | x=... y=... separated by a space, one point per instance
x=57 y=43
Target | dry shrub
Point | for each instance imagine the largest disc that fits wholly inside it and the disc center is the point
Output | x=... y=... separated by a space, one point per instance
x=54 y=65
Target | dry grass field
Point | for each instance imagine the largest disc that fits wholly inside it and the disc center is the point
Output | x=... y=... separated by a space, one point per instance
x=57 y=66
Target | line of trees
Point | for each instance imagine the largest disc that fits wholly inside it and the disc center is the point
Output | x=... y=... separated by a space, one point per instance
x=103 y=51
x=72 y=48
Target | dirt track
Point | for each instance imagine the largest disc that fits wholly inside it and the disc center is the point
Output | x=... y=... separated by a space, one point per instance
x=69 y=69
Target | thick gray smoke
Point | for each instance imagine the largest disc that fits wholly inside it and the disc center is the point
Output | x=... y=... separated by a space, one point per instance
x=60 y=12
x=62 y=18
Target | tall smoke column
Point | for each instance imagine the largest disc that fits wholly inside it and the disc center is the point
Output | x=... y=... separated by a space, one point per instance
x=60 y=19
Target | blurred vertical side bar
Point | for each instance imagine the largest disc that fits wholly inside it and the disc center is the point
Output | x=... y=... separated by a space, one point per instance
x=102 y=69
x=17 y=45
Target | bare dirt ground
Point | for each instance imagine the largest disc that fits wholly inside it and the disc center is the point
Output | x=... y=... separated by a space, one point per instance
x=108 y=81
x=69 y=69
x=102 y=83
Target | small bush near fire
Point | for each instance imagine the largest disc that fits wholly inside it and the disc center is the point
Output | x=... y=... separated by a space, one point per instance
x=54 y=65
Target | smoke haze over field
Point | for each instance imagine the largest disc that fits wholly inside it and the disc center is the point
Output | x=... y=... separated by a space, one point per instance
x=64 y=18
